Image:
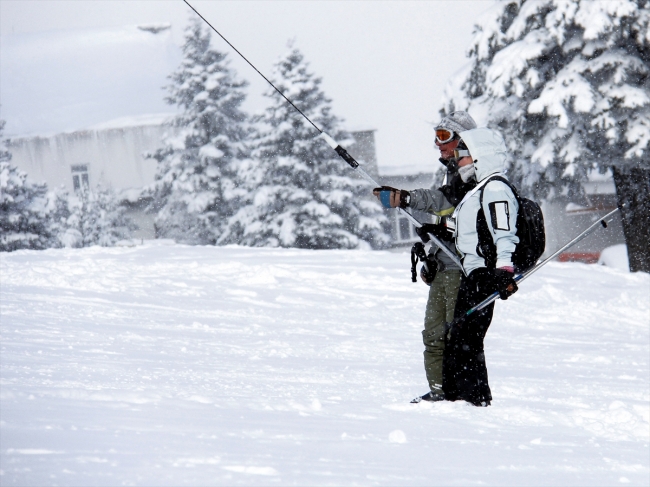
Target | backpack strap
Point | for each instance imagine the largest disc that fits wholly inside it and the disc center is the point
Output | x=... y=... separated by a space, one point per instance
x=498 y=177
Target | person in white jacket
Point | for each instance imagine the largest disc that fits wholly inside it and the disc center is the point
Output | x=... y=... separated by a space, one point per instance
x=485 y=239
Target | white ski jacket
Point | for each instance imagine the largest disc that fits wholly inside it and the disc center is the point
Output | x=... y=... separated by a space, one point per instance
x=499 y=203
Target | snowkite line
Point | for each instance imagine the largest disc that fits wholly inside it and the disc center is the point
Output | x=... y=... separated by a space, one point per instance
x=333 y=144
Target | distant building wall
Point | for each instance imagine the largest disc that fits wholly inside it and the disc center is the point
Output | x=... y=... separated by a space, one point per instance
x=365 y=152
x=565 y=220
x=113 y=157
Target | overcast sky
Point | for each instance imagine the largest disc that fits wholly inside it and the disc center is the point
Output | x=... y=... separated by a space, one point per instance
x=384 y=63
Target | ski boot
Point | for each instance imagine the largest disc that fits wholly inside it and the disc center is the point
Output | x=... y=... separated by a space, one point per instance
x=430 y=396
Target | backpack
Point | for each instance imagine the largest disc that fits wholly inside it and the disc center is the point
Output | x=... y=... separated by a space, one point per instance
x=530 y=230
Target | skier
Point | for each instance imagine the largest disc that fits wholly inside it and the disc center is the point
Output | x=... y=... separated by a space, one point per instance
x=485 y=238
x=444 y=284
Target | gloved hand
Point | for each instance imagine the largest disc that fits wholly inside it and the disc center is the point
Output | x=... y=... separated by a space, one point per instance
x=429 y=267
x=428 y=272
x=392 y=197
x=439 y=231
x=504 y=282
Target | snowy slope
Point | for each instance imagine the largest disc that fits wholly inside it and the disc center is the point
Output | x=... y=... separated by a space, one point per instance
x=174 y=365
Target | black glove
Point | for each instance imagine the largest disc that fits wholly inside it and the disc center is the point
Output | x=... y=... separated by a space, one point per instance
x=428 y=270
x=388 y=199
x=439 y=231
x=504 y=283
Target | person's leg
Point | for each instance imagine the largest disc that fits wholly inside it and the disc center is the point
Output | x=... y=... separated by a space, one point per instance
x=452 y=284
x=452 y=361
x=433 y=333
x=465 y=371
x=440 y=308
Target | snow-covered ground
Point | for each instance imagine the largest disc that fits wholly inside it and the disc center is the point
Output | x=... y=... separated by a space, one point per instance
x=616 y=257
x=175 y=365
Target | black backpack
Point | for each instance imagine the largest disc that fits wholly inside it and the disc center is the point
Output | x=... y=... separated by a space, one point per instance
x=530 y=230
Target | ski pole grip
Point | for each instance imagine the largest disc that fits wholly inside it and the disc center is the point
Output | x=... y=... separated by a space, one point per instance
x=347 y=157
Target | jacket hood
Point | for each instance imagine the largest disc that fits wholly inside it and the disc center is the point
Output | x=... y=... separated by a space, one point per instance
x=488 y=150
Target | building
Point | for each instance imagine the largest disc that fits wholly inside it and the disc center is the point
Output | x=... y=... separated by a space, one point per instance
x=564 y=220
x=114 y=155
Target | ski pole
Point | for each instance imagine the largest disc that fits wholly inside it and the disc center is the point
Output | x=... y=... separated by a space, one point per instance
x=334 y=145
x=494 y=296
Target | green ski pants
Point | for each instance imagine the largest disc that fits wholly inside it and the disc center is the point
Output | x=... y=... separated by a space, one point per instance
x=440 y=308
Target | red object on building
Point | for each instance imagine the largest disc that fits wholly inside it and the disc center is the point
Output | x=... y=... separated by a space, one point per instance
x=586 y=257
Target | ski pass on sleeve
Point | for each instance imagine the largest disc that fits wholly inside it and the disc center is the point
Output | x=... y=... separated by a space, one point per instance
x=500 y=215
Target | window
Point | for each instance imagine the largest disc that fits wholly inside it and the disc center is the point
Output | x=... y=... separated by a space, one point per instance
x=404 y=229
x=80 y=177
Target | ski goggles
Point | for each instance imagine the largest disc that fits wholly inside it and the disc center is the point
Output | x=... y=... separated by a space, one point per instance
x=443 y=136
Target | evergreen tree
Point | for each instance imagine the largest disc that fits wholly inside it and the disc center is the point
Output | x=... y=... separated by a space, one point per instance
x=568 y=84
x=61 y=223
x=5 y=154
x=196 y=187
x=24 y=210
x=95 y=218
x=301 y=194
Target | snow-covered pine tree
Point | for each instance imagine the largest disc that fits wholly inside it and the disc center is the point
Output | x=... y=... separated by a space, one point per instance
x=61 y=224
x=5 y=154
x=196 y=187
x=302 y=194
x=96 y=218
x=568 y=84
x=24 y=212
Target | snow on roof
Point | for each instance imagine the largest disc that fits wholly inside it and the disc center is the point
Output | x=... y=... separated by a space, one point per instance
x=134 y=121
x=117 y=123
x=61 y=81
